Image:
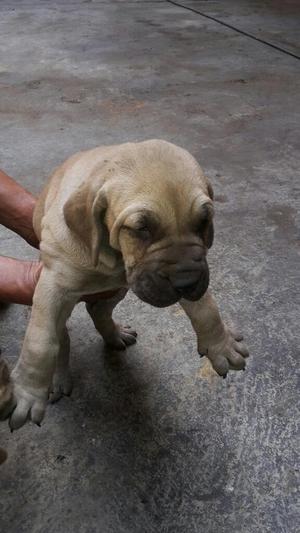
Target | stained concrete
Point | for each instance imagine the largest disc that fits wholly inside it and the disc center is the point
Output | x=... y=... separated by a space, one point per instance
x=152 y=440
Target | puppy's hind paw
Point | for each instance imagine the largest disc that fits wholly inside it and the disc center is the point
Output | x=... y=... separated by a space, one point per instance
x=123 y=336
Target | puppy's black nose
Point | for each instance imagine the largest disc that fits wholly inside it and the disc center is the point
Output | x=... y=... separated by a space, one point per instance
x=185 y=285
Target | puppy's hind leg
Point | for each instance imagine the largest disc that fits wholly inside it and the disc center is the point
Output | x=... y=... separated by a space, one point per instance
x=62 y=380
x=114 y=335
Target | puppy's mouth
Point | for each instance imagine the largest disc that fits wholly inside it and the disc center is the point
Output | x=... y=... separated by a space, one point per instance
x=160 y=290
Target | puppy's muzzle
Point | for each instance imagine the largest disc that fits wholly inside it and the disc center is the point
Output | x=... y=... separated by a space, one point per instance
x=189 y=280
x=186 y=283
x=165 y=283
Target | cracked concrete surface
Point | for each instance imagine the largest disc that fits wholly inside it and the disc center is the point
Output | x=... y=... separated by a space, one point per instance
x=152 y=440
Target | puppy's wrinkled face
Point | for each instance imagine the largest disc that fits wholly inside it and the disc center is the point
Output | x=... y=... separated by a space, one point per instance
x=159 y=217
x=163 y=232
x=162 y=264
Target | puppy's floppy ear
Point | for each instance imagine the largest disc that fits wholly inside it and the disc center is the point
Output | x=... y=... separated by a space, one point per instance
x=84 y=213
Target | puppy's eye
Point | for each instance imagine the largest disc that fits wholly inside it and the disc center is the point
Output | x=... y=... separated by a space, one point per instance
x=141 y=232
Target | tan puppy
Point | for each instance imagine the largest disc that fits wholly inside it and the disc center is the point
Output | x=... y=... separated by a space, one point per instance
x=133 y=216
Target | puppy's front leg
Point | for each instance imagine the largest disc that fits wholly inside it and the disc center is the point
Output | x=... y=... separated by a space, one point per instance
x=33 y=373
x=222 y=346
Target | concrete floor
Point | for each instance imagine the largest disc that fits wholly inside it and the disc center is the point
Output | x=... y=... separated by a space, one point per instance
x=152 y=440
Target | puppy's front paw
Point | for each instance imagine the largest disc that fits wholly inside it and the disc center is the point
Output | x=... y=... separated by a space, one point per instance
x=122 y=337
x=228 y=354
x=30 y=404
